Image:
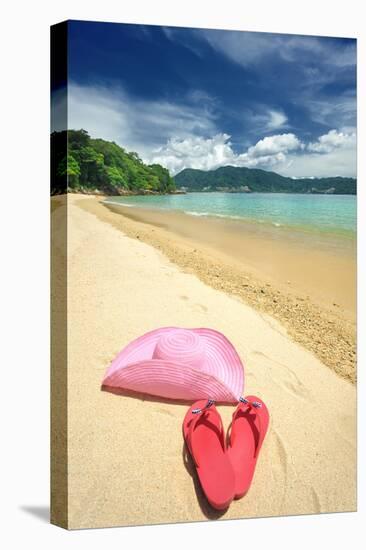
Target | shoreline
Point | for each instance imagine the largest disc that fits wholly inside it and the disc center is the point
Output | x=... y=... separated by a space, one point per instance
x=231 y=235
x=322 y=325
x=342 y=240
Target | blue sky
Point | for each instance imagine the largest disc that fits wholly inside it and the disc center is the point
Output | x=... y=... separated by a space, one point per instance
x=207 y=98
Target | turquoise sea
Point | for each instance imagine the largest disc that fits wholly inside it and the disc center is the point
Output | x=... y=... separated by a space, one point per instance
x=327 y=214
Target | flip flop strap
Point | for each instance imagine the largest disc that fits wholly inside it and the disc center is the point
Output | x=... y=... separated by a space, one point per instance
x=197 y=413
x=255 y=405
x=209 y=404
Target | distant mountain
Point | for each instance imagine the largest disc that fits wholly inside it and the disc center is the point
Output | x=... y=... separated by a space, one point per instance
x=245 y=180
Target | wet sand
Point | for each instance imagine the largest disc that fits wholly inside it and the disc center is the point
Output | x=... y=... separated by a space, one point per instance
x=321 y=267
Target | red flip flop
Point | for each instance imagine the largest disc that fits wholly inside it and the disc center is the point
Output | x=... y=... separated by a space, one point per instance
x=204 y=435
x=248 y=429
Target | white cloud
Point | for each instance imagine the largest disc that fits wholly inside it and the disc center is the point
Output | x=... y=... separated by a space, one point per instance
x=332 y=154
x=277 y=119
x=247 y=48
x=264 y=119
x=283 y=153
x=206 y=154
x=341 y=162
x=333 y=140
x=327 y=50
x=174 y=34
x=136 y=124
x=194 y=152
x=272 y=145
x=340 y=110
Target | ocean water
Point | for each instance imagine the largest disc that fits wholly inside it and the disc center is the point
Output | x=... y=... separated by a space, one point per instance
x=327 y=214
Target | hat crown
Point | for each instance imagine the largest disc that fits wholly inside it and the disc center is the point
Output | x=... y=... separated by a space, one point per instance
x=181 y=345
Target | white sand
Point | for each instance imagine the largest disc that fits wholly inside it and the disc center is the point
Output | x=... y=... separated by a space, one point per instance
x=126 y=463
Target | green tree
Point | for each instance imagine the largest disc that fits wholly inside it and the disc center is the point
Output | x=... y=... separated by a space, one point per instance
x=116 y=177
x=99 y=164
x=167 y=183
x=70 y=167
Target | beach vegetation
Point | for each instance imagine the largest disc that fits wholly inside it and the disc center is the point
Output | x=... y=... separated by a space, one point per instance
x=87 y=165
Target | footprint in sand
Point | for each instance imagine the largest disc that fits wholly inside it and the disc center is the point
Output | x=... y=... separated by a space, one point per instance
x=281 y=451
x=194 y=307
x=199 y=307
x=316 y=501
x=291 y=382
x=277 y=465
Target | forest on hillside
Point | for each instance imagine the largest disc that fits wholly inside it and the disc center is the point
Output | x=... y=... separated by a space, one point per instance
x=80 y=164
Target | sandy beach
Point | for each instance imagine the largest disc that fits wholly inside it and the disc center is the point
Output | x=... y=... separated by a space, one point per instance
x=126 y=458
x=317 y=266
x=308 y=284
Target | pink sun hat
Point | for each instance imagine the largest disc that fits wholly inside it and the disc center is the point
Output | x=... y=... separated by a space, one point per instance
x=176 y=363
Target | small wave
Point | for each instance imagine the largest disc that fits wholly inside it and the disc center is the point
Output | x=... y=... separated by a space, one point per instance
x=228 y=216
x=193 y=213
x=276 y=224
x=212 y=215
x=115 y=203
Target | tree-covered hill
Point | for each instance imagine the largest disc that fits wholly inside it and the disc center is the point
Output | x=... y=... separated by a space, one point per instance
x=82 y=164
x=236 y=179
